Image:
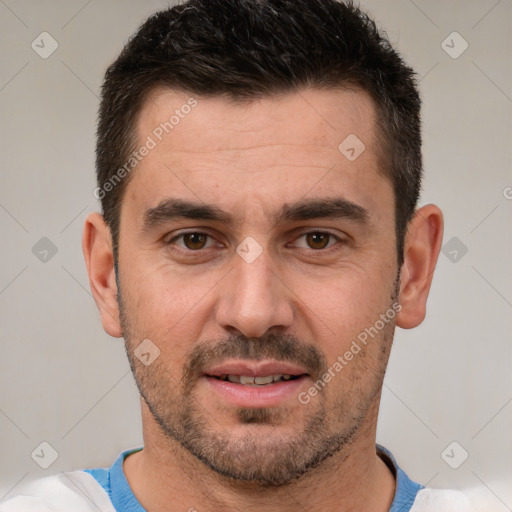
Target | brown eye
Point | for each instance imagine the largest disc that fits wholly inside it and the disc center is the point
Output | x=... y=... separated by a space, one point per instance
x=317 y=240
x=194 y=241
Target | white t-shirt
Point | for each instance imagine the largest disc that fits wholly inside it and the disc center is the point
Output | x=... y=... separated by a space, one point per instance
x=107 y=490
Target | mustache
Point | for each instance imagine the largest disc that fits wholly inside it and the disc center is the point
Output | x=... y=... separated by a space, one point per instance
x=279 y=347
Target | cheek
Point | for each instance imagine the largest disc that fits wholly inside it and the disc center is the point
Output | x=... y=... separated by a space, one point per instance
x=357 y=361
x=350 y=300
x=351 y=310
x=160 y=293
x=166 y=308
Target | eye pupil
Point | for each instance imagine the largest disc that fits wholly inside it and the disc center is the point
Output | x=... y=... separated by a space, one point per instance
x=194 y=240
x=317 y=240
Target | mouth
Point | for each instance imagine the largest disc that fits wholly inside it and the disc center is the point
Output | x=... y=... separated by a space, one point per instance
x=255 y=383
x=249 y=380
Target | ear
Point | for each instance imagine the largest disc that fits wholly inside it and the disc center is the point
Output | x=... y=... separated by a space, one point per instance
x=421 y=249
x=99 y=259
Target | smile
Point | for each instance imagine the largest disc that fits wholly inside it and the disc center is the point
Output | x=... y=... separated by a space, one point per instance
x=249 y=380
x=250 y=383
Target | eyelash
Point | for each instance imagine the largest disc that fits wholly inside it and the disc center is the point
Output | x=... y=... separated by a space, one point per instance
x=324 y=250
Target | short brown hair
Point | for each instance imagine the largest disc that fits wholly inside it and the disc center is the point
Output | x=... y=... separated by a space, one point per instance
x=246 y=49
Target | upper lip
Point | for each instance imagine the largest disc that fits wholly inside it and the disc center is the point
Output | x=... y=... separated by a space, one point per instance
x=255 y=368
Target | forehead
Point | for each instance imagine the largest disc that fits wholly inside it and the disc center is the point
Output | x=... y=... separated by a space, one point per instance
x=270 y=149
x=306 y=118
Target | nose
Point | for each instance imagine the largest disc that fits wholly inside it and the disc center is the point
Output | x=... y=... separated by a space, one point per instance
x=254 y=298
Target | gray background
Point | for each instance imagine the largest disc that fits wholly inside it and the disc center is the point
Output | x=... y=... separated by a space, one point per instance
x=64 y=381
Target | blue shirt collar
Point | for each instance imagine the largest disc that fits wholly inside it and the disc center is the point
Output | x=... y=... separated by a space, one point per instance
x=114 y=482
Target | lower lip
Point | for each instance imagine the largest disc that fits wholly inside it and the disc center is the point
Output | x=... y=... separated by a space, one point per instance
x=270 y=395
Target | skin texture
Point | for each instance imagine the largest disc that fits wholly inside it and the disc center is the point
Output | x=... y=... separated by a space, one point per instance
x=297 y=301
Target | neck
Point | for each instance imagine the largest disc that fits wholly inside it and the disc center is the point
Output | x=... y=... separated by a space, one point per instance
x=355 y=479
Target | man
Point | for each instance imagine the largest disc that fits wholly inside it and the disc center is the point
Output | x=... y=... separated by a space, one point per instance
x=259 y=167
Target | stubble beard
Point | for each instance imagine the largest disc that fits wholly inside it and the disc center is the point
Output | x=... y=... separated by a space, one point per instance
x=262 y=456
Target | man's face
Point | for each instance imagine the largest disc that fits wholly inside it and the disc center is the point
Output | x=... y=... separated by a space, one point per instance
x=319 y=268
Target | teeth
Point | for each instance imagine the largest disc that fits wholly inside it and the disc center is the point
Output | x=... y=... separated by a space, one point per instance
x=264 y=380
x=255 y=381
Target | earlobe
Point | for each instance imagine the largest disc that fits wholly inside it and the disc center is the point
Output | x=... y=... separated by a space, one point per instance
x=99 y=259
x=421 y=251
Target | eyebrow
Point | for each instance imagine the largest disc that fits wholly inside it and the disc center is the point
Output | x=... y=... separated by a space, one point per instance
x=334 y=208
